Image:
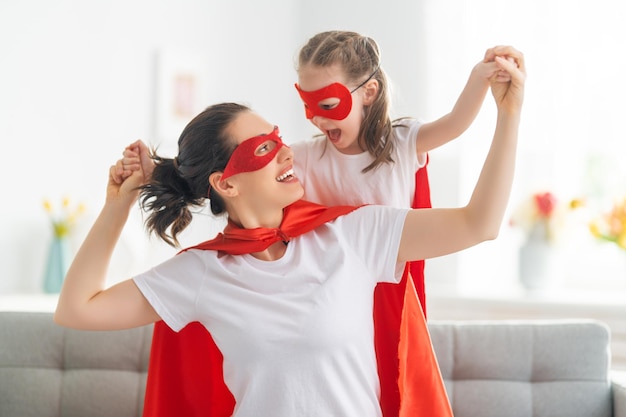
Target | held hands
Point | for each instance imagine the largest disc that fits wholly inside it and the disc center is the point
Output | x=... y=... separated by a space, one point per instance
x=509 y=95
x=136 y=156
x=488 y=69
x=129 y=173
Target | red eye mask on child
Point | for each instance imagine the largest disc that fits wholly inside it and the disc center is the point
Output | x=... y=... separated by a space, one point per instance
x=338 y=91
x=244 y=158
x=312 y=101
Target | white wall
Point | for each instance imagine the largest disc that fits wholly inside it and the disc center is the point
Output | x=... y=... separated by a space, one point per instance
x=77 y=84
x=77 y=81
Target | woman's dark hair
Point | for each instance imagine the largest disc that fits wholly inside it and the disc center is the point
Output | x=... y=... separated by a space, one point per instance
x=178 y=183
x=359 y=57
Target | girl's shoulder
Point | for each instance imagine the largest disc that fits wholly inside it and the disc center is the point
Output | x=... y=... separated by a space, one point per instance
x=404 y=133
x=404 y=123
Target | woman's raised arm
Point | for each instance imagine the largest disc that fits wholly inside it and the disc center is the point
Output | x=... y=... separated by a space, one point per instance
x=429 y=233
x=85 y=302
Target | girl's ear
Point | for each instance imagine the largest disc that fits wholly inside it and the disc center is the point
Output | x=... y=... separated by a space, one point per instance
x=224 y=188
x=371 y=92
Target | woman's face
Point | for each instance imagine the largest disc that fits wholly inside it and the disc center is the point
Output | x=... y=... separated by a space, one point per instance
x=263 y=172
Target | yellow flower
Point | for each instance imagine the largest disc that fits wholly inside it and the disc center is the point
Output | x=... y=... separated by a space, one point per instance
x=64 y=220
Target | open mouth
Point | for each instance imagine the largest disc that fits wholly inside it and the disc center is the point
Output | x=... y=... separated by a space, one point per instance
x=286 y=176
x=334 y=135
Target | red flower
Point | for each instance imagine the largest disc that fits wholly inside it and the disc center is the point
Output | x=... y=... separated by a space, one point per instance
x=545 y=202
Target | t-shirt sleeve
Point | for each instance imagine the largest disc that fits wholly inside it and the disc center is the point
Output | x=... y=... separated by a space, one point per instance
x=172 y=288
x=412 y=143
x=374 y=233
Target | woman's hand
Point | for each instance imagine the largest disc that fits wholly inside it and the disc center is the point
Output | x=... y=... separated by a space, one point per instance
x=509 y=96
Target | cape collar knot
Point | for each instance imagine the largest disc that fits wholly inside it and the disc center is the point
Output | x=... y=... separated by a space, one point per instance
x=298 y=218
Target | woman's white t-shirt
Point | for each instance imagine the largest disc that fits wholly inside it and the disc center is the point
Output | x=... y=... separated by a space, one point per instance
x=330 y=177
x=296 y=333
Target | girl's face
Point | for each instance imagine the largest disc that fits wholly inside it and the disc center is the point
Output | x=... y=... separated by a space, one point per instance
x=343 y=134
x=261 y=169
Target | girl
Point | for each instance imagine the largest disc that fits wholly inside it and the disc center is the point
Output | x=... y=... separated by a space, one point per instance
x=372 y=159
x=363 y=156
x=254 y=293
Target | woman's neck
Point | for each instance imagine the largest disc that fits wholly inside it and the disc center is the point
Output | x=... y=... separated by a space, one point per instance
x=253 y=220
x=273 y=253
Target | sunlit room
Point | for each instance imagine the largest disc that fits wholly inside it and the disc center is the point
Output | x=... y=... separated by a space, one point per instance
x=83 y=80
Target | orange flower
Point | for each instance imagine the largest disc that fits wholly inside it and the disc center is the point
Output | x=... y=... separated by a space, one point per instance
x=611 y=226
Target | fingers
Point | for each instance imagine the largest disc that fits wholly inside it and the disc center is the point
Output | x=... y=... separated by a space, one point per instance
x=138 y=145
x=130 y=162
x=115 y=173
x=501 y=74
x=505 y=51
x=508 y=61
x=513 y=65
x=508 y=52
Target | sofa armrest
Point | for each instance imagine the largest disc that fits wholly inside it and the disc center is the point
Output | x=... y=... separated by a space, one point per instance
x=618 y=383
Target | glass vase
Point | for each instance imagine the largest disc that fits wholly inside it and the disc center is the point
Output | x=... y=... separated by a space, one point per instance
x=57 y=265
x=539 y=261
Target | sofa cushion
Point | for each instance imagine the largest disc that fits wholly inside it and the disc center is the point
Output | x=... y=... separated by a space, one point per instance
x=525 y=369
x=47 y=370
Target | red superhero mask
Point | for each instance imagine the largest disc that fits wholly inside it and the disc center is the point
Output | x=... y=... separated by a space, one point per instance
x=312 y=100
x=338 y=91
x=244 y=157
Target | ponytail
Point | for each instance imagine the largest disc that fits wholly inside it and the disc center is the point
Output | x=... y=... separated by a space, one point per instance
x=181 y=182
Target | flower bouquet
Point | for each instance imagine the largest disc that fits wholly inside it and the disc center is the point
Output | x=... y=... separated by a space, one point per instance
x=64 y=219
x=544 y=220
x=543 y=217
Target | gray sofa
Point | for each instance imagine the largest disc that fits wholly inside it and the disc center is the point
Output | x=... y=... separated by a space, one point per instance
x=503 y=369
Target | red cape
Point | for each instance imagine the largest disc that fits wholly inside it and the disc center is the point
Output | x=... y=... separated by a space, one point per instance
x=185 y=375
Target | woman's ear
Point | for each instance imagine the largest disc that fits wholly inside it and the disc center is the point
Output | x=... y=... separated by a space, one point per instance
x=224 y=188
x=371 y=92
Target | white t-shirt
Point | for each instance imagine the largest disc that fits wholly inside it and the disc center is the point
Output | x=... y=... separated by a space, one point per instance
x=330 y=177
x=296 y=333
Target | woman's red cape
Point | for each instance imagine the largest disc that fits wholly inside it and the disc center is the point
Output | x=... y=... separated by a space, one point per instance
x=185 y=376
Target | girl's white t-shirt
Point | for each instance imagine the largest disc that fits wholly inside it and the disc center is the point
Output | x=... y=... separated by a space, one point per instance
x=296 y=333
x=331 y=178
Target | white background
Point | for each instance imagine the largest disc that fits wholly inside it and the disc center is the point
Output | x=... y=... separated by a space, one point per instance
x=78 y=82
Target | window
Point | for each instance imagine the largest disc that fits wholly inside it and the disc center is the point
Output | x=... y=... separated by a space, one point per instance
x=571 y=141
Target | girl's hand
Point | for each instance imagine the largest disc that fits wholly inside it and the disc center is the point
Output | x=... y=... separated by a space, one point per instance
x=488 y=71
x=130 y=173
x=135 y=156
x=124 y=190
x=500 y=75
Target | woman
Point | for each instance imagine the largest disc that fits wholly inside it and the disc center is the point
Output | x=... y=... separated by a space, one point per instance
x=287 y=290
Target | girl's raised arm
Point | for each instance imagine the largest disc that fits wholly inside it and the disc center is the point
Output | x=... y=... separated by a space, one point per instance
x=429 y=233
